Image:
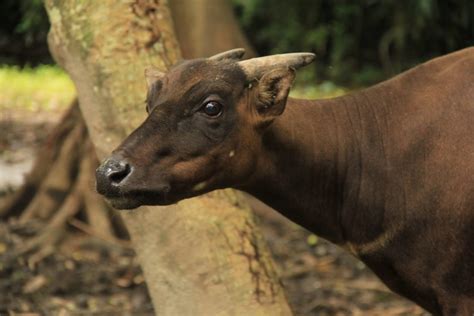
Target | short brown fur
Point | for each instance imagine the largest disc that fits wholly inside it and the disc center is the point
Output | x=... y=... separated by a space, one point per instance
x=386 y=172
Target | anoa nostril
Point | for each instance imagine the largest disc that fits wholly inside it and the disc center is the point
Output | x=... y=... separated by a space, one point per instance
x=116 y=171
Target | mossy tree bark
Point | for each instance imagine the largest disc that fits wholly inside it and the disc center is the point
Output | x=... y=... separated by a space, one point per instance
x=203 y=256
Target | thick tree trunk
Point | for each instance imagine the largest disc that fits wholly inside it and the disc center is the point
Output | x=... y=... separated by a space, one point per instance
x=207 y=27
x=203 y=256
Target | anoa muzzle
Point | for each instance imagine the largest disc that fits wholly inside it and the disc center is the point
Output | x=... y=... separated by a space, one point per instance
x=386 y=172
x=206 y=118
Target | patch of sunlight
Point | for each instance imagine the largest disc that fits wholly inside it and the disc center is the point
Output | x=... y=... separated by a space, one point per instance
x=323 y=90
x=45 y=87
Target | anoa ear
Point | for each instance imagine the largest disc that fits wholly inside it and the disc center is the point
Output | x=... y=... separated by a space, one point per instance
x=153 y=75
x=273 y=89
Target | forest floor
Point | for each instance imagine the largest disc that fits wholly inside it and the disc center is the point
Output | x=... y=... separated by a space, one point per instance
x=87 y=276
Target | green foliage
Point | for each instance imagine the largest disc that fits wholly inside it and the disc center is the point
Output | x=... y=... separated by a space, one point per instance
x=33 y=20
x=23 y=29
x=326 y=89
x=359 y=41
x=44 y=87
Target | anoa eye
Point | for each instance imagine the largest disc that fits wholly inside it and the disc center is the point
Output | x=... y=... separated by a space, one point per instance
x=212 y=108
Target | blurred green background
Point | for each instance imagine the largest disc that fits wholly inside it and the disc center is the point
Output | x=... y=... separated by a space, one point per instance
x=357 y=43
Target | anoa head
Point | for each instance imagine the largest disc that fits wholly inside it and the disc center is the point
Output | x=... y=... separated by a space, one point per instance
x=203 y=130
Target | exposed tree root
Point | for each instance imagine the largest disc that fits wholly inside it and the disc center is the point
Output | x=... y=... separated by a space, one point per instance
x=46 y=157
x=90 y=231
x=60 y=191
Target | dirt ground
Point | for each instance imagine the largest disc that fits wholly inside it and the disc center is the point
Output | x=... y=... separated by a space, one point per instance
x=88 y=276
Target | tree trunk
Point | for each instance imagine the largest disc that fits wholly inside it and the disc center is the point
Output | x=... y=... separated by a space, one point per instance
x=203 y=256
x=207 y=27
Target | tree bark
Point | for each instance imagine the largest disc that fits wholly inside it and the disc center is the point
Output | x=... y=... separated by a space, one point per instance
x=203 y=256
x=207 y=27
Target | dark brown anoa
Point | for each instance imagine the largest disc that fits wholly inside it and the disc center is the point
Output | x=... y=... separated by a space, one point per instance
x=386 y=172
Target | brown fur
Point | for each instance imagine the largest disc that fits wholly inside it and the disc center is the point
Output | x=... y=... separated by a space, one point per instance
x=386 y=172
